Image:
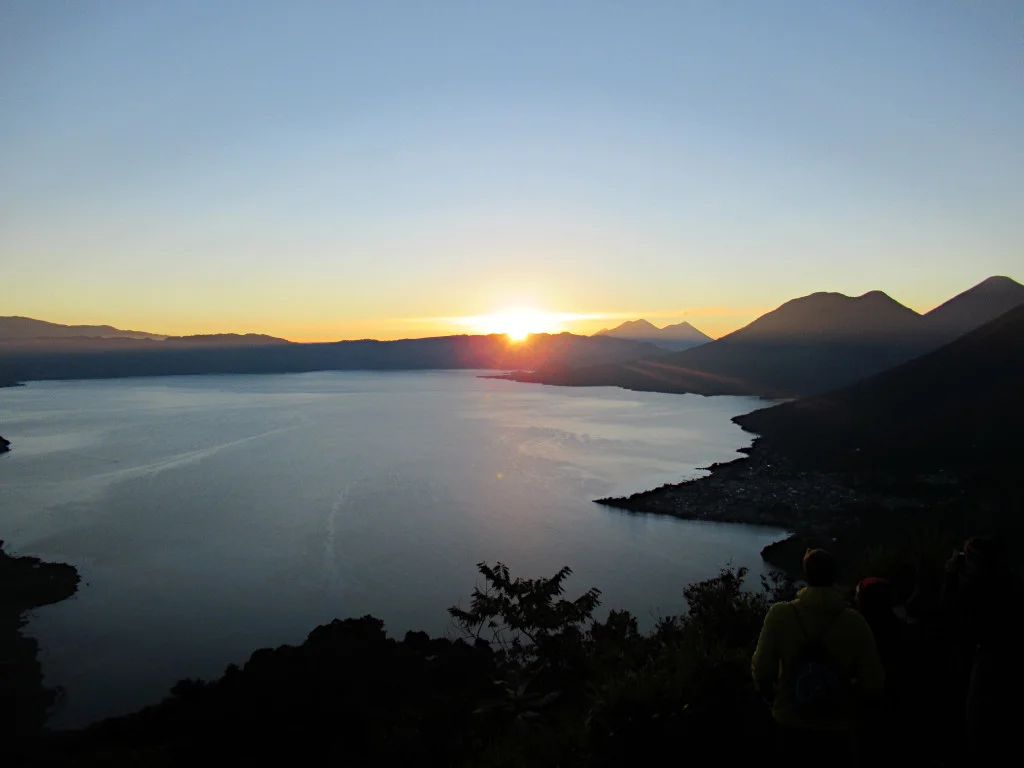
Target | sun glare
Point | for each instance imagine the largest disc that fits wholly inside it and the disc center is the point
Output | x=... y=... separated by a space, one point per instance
x=518 y=334
x=517 y=323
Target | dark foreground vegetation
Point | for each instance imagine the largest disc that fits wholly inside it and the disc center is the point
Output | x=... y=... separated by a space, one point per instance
x=527 y=678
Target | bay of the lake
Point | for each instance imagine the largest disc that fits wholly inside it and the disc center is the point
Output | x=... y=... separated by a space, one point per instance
x=213 y=515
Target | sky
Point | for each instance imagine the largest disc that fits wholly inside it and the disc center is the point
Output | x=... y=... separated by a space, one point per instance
x=327 y=170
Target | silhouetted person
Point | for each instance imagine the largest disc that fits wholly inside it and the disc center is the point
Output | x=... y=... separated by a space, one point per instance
x=984 y=603
x=925 y=602
x=874 y=600
x=816 y=662
x=885 y=741
x=933 y=717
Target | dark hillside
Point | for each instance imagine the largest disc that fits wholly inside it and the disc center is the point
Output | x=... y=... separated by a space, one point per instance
x=28 y=328
x=115 y=358
x=807 y=345
x=974 y=307
x=957 y=406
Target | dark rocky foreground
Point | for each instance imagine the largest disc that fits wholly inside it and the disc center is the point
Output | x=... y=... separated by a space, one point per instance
x=26 y=583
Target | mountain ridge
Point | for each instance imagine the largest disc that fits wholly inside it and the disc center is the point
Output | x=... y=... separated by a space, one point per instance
x=116 y=358
x=675 y=337
x=21 y=331
x=19 y=327
x=955 y=404
x=974 y=307
x=685 y=329
x=829 y=315
x=228 y=339
x=807 y=345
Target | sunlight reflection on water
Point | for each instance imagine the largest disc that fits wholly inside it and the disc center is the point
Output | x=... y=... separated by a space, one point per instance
x=213 y=515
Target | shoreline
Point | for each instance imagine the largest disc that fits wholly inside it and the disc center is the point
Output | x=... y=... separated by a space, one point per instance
x=763 y=488
x=27 y=583
x=760 y=488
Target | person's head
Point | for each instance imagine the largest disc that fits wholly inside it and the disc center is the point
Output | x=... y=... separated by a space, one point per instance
x=820 y=568
x=874 y=596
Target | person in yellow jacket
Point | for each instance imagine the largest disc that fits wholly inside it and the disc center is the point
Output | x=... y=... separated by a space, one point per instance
x=816 y=661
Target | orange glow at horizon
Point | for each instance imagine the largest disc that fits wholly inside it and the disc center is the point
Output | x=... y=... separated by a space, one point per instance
x=517 y=322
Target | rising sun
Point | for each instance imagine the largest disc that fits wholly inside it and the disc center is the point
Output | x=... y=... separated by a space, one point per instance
x=517 y=323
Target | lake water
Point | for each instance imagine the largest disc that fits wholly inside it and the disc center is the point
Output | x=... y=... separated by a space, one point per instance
x=210 y=516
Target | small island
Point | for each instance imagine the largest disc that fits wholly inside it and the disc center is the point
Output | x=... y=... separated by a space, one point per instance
x=5 y=445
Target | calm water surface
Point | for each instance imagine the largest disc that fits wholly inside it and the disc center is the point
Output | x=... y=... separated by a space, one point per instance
x=210 y=516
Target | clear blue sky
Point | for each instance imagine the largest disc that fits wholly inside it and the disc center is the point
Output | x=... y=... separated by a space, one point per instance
x=340 y=169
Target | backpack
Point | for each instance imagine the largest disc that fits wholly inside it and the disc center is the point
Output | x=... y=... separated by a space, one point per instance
x=817 y=681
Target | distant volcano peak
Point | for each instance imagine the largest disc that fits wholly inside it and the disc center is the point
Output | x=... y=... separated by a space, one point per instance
x=679 y=336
